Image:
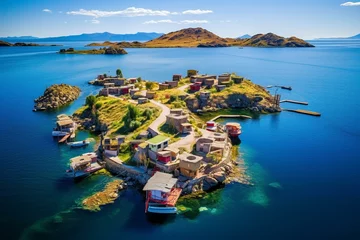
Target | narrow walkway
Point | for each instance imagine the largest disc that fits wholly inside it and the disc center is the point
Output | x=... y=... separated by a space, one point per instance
x=161 y=119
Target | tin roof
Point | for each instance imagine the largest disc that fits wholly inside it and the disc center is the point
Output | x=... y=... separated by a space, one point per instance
x=163 y=182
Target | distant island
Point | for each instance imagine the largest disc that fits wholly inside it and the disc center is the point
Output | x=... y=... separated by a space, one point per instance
x=199 y=37
x=140 y=36
x=20 y=44
x=108 y=50
x=340 y=38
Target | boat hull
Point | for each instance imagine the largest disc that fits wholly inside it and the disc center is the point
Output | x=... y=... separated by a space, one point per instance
x=59 y=133
x=162 y=210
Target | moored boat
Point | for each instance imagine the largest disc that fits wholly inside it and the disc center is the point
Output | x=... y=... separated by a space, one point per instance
x=78 y=144
x=84 y=165
x=211 y=126
x=232 y=129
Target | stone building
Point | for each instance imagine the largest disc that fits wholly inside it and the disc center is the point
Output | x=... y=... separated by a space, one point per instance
x=189 y=164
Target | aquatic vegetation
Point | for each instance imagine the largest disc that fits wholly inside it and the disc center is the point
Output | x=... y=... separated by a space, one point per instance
x=258 y=196
x=107 y=196
x=190 y=206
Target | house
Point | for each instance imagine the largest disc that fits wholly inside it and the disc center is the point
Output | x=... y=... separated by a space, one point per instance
x=124 y=89
x=65 y=124
x=191 y=72
x=214 y=143
x=195 y=86
x=117 y=81
x=178 y=111
x=163 y=86
x=107 y=85
x=201 y=78
x=209 y=82
x=223 y=79
x=189 y=164
x=176 y=121
x=177 y=77
x=237 y=79
x=131 y=80
x=133 y=91
x=172 y=84
x=142 y=100
x=174 y=152
x=161 y=194
x=143 y=135
x=220 y=87
x=111 y=146
x=150 y=94
x=100 y=77
x=134 y=144
x=157 y=144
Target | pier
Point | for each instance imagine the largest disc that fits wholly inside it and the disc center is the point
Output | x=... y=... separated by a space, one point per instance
x=311 y=113
x=293 y=101
x=230 y=116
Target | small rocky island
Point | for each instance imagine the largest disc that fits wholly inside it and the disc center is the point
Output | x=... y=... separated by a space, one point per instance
x=20 y=44
x=107 y=50
x=56 y=96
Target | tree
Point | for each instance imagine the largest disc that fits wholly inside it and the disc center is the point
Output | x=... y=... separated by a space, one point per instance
x=139 y=80
x=149 y=85
x=119 y=73
x=90 y=101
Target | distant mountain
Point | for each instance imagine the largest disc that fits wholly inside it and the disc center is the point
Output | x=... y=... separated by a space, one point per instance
x=272 y=40
x=21 y=44
x=18 y=38
x=244 y=36
x=105 y=36
x=339 y=38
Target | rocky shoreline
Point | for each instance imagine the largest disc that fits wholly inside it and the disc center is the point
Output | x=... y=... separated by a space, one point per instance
x=56 y=96
x=105 y=50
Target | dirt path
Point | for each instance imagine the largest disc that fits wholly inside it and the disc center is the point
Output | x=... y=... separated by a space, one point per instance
x=161 y=119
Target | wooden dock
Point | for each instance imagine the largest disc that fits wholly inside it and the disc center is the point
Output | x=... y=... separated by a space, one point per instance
x=311 y=113
x=64 y=138
x=230 y=116
x=293 y=101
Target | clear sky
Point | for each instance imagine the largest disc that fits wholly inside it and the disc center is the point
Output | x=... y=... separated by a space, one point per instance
x=228 y=18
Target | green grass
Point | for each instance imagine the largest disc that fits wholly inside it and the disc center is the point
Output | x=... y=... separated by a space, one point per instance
x=210 y=115
x=170 y=132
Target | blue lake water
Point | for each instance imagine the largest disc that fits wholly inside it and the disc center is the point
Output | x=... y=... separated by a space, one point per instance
x=315 y=160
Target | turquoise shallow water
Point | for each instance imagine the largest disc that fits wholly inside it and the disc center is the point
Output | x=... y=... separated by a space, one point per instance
x=315 y=160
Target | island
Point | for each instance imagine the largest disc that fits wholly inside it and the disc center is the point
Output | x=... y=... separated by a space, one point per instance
x=199 y=37
x=20 y=44
x=106 y=50
x=56 y=96
x=166 y=132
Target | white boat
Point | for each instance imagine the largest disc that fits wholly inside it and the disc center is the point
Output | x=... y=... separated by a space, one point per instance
x=58 y=133
x=78 y=144
x=161 y=209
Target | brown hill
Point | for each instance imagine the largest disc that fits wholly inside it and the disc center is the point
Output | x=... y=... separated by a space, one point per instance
x=272 y=40
x=134 y=44
x=189 y=37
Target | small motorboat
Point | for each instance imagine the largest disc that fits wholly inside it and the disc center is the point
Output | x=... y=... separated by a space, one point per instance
x=211 y=126
x=56 y=133
x=78 y=144
x=287 y=88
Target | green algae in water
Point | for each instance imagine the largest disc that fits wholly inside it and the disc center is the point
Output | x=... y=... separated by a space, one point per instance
x=259 y=197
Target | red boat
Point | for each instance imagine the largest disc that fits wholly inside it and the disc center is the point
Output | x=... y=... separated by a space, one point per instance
x=233 y=129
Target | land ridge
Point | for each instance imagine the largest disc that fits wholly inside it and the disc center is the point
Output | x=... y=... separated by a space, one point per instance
x=199 y=37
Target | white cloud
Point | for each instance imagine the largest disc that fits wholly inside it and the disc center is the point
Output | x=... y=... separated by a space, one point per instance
x=225 y=21
x=194 y=21
x=95 y=21
x=159 y=21
x=47 y=10
x=350 y=4
x=197 y=11
x=128 y=12
x=176 y=22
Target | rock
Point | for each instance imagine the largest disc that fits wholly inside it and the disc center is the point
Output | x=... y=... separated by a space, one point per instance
x=114 y=50
x=209 y=183
x=220 y=176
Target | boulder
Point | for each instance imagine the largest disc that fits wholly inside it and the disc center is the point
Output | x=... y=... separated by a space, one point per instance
x=220 y=176
x=209 y=182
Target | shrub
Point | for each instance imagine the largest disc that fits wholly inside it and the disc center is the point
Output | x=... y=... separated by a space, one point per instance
x=150 y=85
x=98 y=105
x=139 y=80
x=148 y=113
x=173 y=98
x=90 y=101
x=134 y=124
x=119 y=73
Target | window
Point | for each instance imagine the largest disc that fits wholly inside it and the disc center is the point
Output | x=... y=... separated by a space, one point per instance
x=165 y=144
x=159 y=146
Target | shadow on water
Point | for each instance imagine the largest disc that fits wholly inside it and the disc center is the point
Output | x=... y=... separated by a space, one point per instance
x=64 y=184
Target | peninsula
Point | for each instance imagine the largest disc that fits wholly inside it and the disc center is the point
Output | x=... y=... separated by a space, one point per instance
x=106 y=50
x=199 y=37
x=20 y=44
